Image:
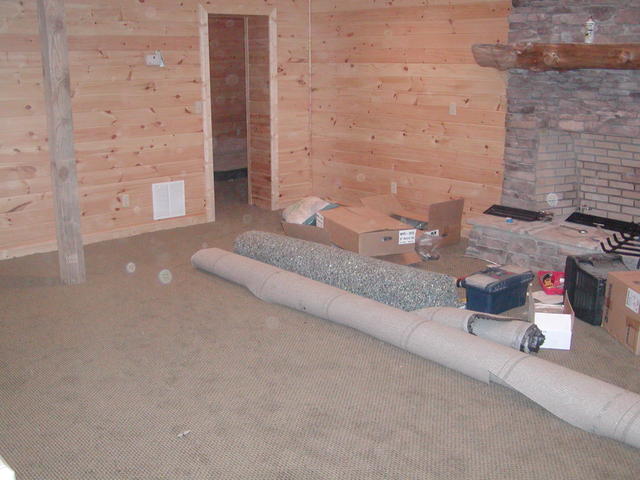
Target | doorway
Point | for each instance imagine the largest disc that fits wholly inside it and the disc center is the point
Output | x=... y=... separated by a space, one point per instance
x=240 y=101
x=229 y=93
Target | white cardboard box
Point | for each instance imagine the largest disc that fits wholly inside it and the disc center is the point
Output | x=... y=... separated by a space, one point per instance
x=556 y=323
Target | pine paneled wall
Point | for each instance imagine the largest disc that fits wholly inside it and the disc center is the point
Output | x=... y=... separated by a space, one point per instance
x=134 y=125
x=392 y=95
x=397 y=97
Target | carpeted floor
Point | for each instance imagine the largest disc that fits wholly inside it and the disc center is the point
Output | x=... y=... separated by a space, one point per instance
x=127 y=377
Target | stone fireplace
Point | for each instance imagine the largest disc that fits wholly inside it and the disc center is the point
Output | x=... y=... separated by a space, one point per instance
x=573 y=138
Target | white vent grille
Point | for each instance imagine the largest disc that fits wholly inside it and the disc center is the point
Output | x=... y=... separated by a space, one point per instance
x=168 y=200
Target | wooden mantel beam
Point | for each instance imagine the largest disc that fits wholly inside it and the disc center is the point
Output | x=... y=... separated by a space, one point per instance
x=558 y=56
x=55 y=67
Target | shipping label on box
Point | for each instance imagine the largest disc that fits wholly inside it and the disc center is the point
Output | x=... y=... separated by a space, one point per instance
x=407 y=237
x=633 y=300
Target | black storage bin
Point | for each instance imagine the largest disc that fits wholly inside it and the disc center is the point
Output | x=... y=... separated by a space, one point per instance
x=585 y=280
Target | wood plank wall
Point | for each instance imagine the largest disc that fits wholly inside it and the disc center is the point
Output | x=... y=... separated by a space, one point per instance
x=134 y=125
x=25 y=190
x=259 y=108
x=386 y=82
x=227 y=67
x=294 y=140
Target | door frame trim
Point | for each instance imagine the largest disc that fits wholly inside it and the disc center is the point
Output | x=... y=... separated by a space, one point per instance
x=205 y=72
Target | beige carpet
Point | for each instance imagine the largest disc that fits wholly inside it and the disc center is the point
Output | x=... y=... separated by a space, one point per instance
x=126 y=377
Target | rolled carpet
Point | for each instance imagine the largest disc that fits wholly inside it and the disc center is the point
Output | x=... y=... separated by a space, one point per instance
x=585 y=402
x=394 y=285
x=399 y=286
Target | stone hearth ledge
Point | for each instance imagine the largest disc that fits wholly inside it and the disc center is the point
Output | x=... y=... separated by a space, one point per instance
x=535 y=245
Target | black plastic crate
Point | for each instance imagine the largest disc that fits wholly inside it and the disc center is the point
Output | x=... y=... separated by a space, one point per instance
x=585 y=281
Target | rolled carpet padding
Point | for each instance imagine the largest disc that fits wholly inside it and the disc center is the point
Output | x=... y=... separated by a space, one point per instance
x=510 y=332
x=395 y=285
x=585 y=402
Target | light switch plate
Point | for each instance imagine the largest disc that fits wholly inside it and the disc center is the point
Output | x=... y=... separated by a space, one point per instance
x=154 y=59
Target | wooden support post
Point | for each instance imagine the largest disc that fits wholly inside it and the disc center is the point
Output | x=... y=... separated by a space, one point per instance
x=55 y=66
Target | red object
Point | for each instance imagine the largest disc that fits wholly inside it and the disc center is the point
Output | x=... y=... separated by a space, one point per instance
x=551 y=282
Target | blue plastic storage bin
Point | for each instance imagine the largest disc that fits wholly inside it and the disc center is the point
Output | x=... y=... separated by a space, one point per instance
x=497 y=289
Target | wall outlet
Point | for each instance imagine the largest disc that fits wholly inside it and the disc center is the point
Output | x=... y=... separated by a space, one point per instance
x=124 y=200
x=394 y=187
x=453 y=108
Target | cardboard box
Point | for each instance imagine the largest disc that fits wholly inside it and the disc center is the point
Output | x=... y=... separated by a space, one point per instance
x=309 y=233
x=445 y=217
x=556 y=323
x=320 y=235
x=367 y=231
x=621 y=313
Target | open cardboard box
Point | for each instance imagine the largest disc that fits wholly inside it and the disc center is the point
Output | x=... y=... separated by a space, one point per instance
x=309 y=233
x=443 y=217
x=363 y=231
x=555 y=322
x=379 y=227
x=366 y=231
